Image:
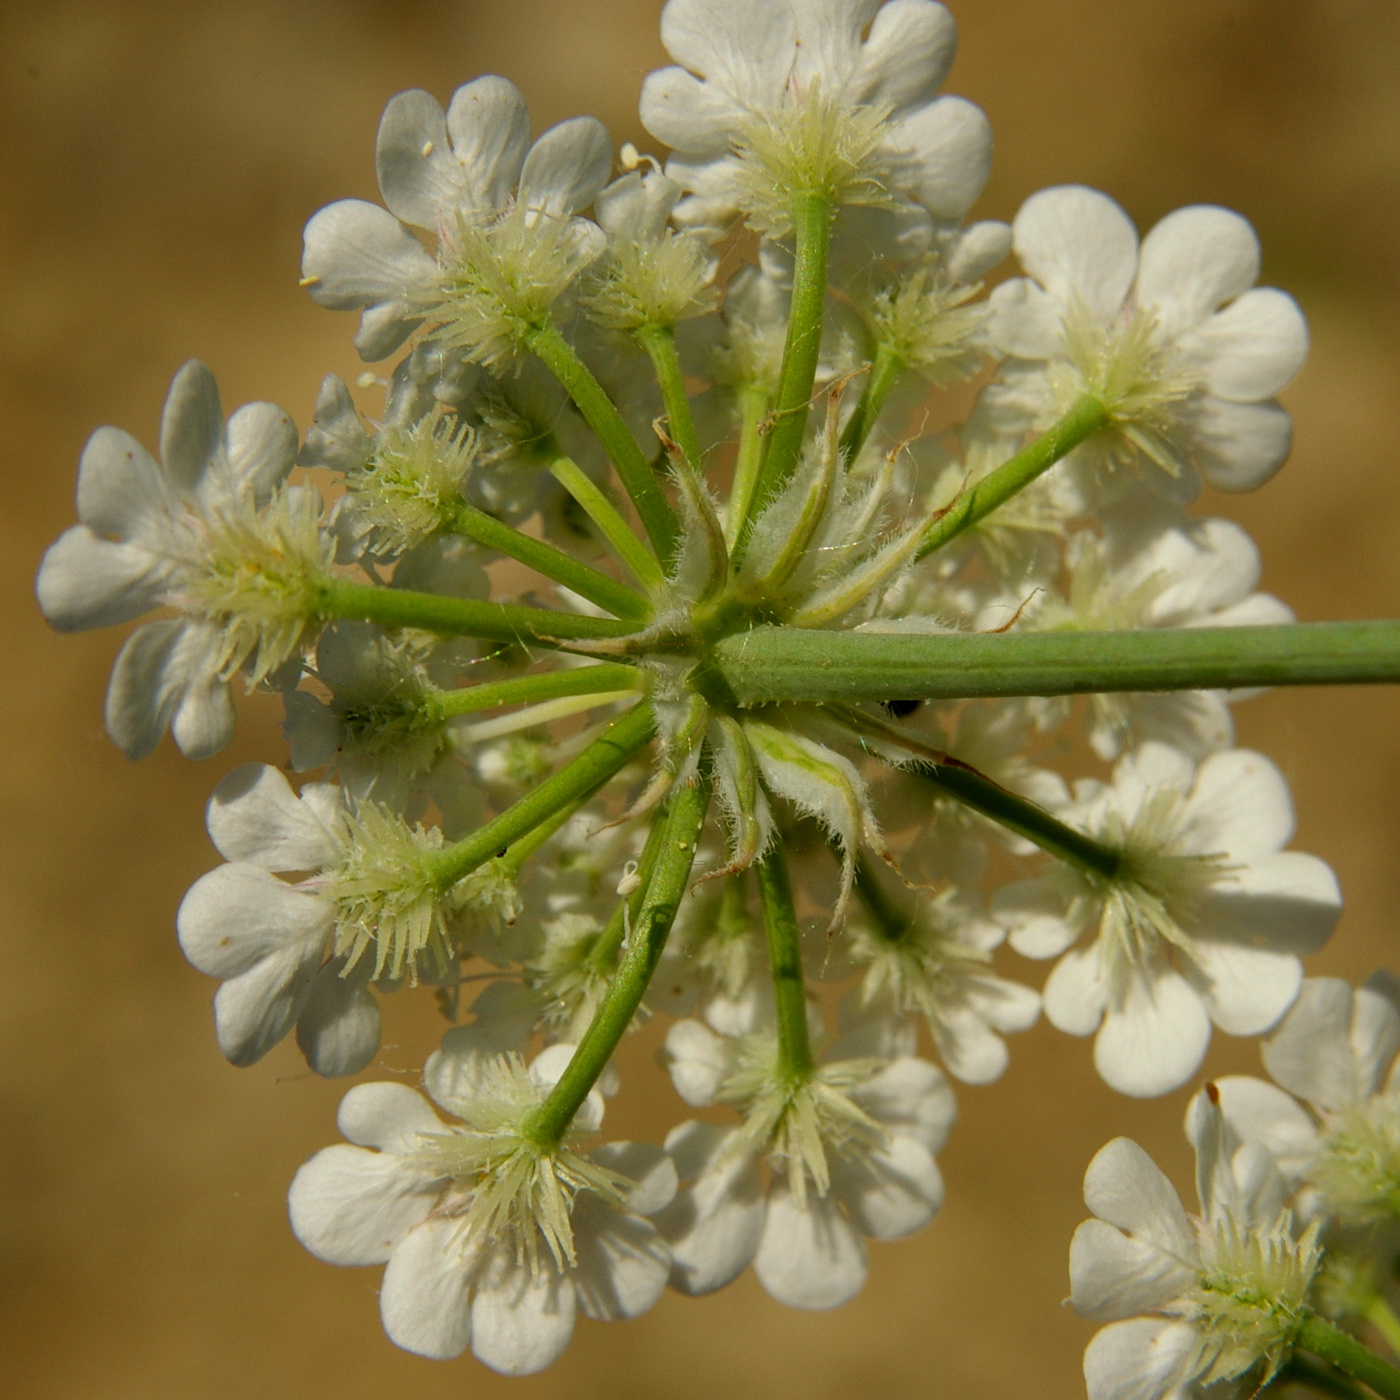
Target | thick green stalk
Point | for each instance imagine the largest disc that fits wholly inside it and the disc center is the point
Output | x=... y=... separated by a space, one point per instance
x=544 y=559
x=683 y=819
x=1382 y=1317
x=582 y=680
x=660 y=344
x=600 y=413
x=812 y=224
x=611 y=751
x=633 y=552
x=891 y=922
x=1320 y=1337
x=602 y=956
x=782 y=664
x=753 y=409
x=785 y=961
x=1298 y=1370
x=885 y=371
x=463 y=617
x=1086 y=417
x=981 y=794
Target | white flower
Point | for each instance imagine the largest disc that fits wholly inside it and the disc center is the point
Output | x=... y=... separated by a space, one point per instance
x=1211 y=1298
x=790 y=99
x=1332 y=1051
x=852 y=1154
x=208 y=530
x=422 y=1196
x=501 y=212
x=370 y=908
x=1203 y=920
x=1173 y=339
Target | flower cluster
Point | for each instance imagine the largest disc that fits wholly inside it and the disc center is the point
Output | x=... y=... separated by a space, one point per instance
x=683 y=399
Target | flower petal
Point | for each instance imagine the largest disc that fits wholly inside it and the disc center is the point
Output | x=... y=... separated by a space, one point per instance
x=910 y=1096
x=255 y=816
x=1075 y=994
x=1193 y=261
x=907 y=54
x=1311 y=1054
x=1126 y=1188
x=338 y=1029
x=1240 y=445
x=650 y=1170
x=262 y=448
x=255 y=1010
x=1245 y=989
x=86 y=581
x=687 y=114
x=623 y=1264
x=353 y=1207
x=1113 y=1276
x=490 y=129
x=567 y=167
x=521 y=1324
x=1079 y=245
x=1287 y=901
x=423 y=1301
x=1254 y=347
x=191 y=428
x=1156 y=1040
x=810 y=1257
x=892 y=1192
x=944 y=154
x=747 y=49
x=386 y=1116
x=698 y=1061
x=1141 y=1359
x=237 y=915
x=121 y=488
x=1239 y=807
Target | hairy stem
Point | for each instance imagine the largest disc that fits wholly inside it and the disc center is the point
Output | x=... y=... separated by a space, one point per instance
x=660 y=344
x=1320 y=1337
x=782 y=664
x=600 y=413
x=885 y=371
x=640 y=561
x=785 y=961
x=1382 y=1317
x=683 y=820
x=801 y=351
x=753 y=408
x=545 y=559
x=1086 y=417
x=583 y=680
x=579 y=778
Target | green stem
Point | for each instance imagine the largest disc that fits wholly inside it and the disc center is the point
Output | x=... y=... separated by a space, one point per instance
x=981 y=794
x=801 y=351
x=611 y=751
x=600 y=413
x=587 y=582
x=602 y=956
x=1382 y=1317
x=640 y=561
x=891 y=922
x=753 y=409
x=463 y=617
x=782 y=664
x=583 y=680
x=1317 y=1335
x=683 y=820
x=660 y=344
x=1086 y=417
x=520 y=851
x=1298 y=1370
x=785 y=960
x=885 y=371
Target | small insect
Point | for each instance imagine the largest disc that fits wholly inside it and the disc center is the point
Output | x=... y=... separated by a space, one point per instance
x=901 y=709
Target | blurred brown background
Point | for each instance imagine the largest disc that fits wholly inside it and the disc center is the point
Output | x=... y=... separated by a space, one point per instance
x=159 y=160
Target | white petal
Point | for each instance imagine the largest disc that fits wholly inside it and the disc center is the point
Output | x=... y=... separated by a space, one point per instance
x=490 y=129
x=1024 y=319
x=982 y=246
x=1075 y=994
x=911 y=1097
x=1035 y=915
x=237 y=915
x=387 y=1116
x=892 y=1192
x=1254 y=347
x=1257 y=1111
x=121 y=488
x=623 y=1264
x=747 y=49
x=1245 y=989
x=1193 y=261
x=1239 y=807
x=1141 y=1359
x=256 y=1009
x=1310 y=1054
x=567 y=167
x=352 y=1207
x=907 y=53
x=1375 y=1028
x=140 y=696
x=650 y=1170
x=1156 y=1041
x=1078 y=244
x=203 y=720
x=86 y=581
x=1113 y=1276
x=521 y=1324
x=1287 y=901
x=262 y=448
x=944 y=150
x=338 y=1029
x=417 y=175
x=423 y=1299
x=714 y=1225
x=505 y=1014
x=969 y=1048
x=1126 y=1188
x=191 y=428
x=1240 y=445
x=255 y=816
x=698 y=1062
x=809 y=1258
x=687 y=114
